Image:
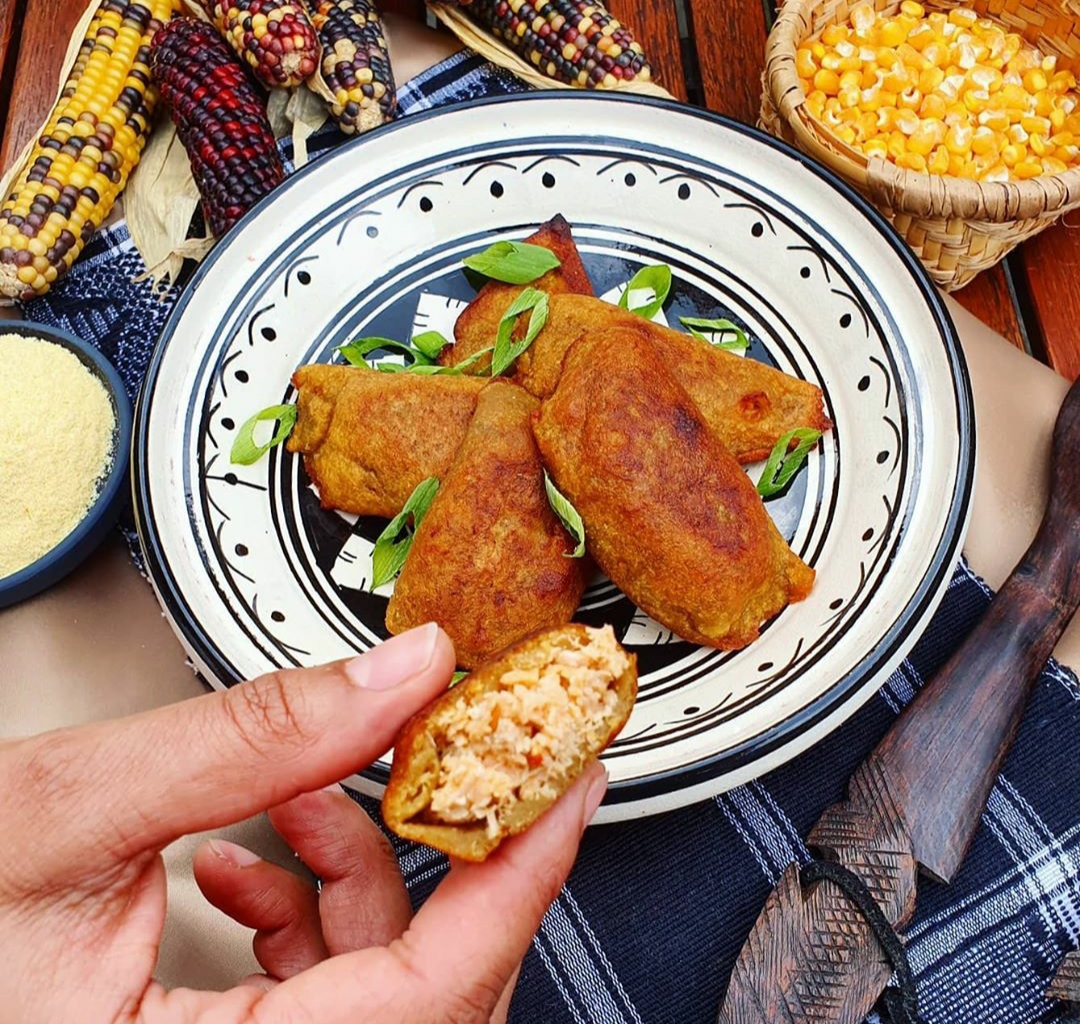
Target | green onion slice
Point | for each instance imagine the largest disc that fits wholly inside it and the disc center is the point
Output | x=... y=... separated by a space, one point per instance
x=655 y=278
x=430 y=343
x=355 y=351
x=432 y=369
x=738 y=343
x=458 y=676
x=782 y=464
x=392 y=547
x=507 y=351
x=513 y=262
x=568 y=515
x=245 y=451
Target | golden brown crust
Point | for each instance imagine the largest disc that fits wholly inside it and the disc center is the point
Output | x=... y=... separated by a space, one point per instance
x=415 y=769
x=489 y=562
x=749 y=405
x=369 y=438
x=669 y=515
x=478 y=323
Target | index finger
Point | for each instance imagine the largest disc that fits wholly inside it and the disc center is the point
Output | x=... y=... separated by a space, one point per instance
x=119 y=788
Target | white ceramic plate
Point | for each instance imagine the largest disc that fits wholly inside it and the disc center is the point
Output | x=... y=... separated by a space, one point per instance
x=368 y=241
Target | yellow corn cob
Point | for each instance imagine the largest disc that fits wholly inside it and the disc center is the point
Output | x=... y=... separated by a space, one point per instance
x=91 y=143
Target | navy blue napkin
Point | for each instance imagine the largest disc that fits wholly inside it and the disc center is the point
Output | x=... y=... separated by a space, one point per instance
x=649 y=925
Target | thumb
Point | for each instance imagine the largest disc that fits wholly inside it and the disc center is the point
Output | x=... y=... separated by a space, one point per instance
x=118 y=788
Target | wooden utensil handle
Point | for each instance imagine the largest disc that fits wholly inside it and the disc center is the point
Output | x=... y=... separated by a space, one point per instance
x=943 y=754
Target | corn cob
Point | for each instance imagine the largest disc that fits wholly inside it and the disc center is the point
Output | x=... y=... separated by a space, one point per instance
x=274 y=37
x=91 y=143
x=575 y=41
x=220 y=118
x=355 y=62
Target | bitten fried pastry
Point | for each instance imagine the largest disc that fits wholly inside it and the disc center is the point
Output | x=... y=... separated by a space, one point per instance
x=478 y=323
x=489 y=561
x=669 y=514
x=749 y=405
x=369 y=438
x=487 y=758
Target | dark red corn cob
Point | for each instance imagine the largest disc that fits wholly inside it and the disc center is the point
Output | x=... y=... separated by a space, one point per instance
x=220 y=118
x=274 y=37
x=355 y=62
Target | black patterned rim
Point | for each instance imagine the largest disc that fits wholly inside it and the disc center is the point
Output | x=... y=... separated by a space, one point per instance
x=897 y=639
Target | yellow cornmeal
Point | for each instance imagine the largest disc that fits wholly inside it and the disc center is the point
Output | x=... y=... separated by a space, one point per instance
x=56 y=436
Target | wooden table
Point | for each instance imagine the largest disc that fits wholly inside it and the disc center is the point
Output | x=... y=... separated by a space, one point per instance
x=707 y=53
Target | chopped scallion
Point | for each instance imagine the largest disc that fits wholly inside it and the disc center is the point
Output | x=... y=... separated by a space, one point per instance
x=245 y=451
x=392 y=546
x=506 y=351
x=655 y=279
x=782 y=465
x=513 y=262
x=568 y=515
x=738 y=342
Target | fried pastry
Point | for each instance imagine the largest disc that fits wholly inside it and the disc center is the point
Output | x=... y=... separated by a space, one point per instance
x=478 y=323
x=749 y=405
x=487 y=758
x=669 y=514
x=489 y=561
x=369 y=438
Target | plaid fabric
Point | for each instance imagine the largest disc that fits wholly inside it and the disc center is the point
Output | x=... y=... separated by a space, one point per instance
x=650 y=923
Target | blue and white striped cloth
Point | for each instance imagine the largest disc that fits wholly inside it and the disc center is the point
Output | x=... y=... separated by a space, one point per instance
x=656 y=911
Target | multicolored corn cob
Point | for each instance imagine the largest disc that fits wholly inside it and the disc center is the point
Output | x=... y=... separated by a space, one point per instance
x=220 y=118
x=85 y=153
x=274 y=37
x=575 y=41
x=355 y=62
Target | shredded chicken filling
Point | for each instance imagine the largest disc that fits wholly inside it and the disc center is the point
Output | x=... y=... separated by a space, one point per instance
x=518 y=741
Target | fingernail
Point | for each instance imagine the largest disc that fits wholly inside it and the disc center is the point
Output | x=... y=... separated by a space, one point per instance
x=232 y=854
x=595 y=794
x=334 y=787
x=396 y=661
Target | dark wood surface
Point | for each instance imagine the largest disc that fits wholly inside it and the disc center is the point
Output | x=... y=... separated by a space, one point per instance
x=657 y=23
x=709 y=55
x=10 y=23
x=918 y=798
x=729 y=40
x=1051 y=270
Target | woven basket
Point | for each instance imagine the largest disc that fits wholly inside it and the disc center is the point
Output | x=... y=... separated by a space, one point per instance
x=955 y=226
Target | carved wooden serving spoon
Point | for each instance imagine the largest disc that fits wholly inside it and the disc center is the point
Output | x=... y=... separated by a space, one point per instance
x=812 y=955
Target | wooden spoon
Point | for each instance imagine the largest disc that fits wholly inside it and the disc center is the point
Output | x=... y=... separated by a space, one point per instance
x=918 y=797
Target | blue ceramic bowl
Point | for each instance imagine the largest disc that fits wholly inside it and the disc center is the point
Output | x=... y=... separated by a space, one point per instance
x=91 y=530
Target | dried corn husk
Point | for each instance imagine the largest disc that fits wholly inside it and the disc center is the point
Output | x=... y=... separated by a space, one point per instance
x=496 y=51
x=159 y=202
x=300 y=113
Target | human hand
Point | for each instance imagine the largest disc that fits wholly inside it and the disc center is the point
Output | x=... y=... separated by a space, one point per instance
x=87 y=811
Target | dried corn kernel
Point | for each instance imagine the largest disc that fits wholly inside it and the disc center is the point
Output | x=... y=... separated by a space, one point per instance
x=984 y=141
x=946 y=93
x=827 y=81
x=892 y=33
x=912 y=161
x=939 y=161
